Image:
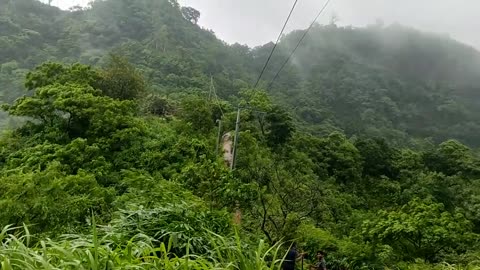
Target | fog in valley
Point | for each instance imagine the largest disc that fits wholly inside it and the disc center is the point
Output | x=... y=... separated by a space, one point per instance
x=174 y=134
x=255 y=22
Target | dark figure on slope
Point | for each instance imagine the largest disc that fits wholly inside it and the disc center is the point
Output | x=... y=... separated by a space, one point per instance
x=292 y=257
x=320 y=264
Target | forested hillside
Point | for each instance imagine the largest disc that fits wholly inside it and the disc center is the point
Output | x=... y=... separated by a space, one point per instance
x=393 y=82
x=383 y=81
x=109 y=153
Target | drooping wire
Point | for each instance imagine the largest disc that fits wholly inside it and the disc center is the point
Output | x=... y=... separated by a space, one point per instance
x=217 y=100
x=276 y=43
x=299 y=43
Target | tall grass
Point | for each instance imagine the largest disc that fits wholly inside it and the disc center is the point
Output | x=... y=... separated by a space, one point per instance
x=143 y=252
x=140 y=252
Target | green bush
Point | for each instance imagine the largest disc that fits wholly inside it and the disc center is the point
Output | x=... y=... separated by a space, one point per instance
x=51 y=201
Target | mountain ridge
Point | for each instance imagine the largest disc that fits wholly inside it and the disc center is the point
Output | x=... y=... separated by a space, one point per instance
x=176 y=55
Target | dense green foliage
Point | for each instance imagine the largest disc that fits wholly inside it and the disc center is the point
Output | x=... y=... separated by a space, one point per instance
x=361 y=148
x=383 y=81
x=390 y=82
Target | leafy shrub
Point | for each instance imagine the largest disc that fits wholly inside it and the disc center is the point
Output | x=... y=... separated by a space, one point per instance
x=51 y=201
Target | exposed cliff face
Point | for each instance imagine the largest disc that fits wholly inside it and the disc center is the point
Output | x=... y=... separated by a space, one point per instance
x=227 y=148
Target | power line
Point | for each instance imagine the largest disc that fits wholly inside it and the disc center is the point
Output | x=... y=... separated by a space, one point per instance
x=298 y=44
x=218 y=101
x=276 y=43
x=213 y=91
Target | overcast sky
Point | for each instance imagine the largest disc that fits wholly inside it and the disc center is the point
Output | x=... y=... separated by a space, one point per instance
x=255 y=22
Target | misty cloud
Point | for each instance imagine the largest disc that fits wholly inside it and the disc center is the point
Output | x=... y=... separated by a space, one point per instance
x=256 y=22
x=65 y=4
